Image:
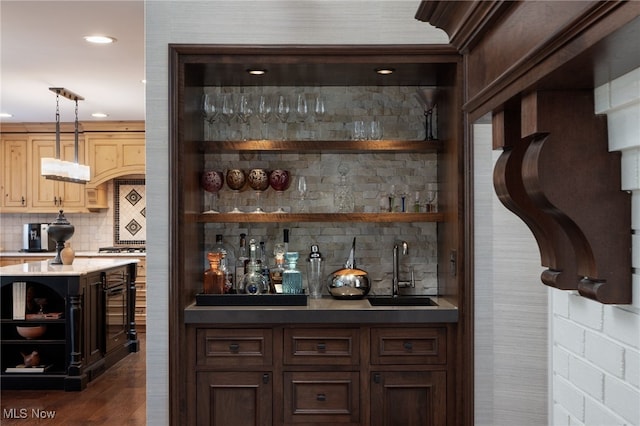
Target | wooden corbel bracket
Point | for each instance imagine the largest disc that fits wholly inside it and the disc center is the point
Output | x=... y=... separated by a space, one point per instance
x=557 y=175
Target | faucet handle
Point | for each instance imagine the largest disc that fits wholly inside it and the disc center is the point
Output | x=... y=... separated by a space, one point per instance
x=413 y=278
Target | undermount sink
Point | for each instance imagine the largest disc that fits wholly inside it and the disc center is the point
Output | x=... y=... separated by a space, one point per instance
x=401 y=301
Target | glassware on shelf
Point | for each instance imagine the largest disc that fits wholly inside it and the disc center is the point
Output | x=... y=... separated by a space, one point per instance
x=359 y=131
x=253 y=281
x=227 y=113
x=292 y=277
x=258 y=180
x=302 y=113
x=375 y=130
x=263 y=111
x=319 y=112
x=214 y=277
x=236 y=181
x=211 y=181
x=210 y=112
x=280 y=181
x=282 y=114
x=428 y=96
x=343 y=198
x=244 y=114
x=430 y=199
x=392 y=198
x=303 y=191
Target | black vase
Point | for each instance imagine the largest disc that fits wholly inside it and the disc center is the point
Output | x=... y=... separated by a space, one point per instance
x=60 y=231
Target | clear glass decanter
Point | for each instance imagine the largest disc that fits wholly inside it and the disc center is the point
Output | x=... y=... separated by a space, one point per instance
x=343 y=198
x=253 y=281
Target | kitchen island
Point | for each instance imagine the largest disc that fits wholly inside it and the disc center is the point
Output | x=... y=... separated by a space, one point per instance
x=82 y=315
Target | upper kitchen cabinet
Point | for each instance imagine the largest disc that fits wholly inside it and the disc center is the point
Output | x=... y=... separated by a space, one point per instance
x=111 y=149
x=15 y=171
x=49 y=194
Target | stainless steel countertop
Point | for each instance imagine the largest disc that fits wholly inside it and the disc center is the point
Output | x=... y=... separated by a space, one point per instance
x=322 y=311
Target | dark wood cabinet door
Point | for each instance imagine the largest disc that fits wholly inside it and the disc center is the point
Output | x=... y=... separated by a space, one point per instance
x=234 y=398
x=94 y=320
x=408 y=398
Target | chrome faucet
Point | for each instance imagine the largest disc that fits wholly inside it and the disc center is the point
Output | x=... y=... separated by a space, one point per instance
x=396 y=284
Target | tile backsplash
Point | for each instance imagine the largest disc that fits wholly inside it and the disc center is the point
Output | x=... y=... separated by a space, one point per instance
x=130 y=224
x=92 y=230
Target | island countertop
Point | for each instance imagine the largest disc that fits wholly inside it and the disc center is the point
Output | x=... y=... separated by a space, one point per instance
x=79 y=267
x=323 y=310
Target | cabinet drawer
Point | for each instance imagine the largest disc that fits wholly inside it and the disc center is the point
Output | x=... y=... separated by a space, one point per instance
x=408 y=346
x=311 y=346
x=141 y=269
x=328 y=397
x=234 y=348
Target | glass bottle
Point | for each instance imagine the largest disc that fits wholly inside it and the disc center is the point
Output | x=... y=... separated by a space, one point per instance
x=343 y=198
x=264 y=267
x=214 y=278
x=227 y=263
x=253 y=281
x=292 y=277
x=275 y=272
x=241 y=261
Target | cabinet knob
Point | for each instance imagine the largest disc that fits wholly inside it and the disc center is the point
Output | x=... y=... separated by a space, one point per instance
x=322 y=347
x=234 y=347
x=265 y=378
x=377 y=378
x=23 y=201
x=408 y=346
x=321 y=397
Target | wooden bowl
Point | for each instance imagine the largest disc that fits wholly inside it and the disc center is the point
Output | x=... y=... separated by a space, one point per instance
x=31 y=331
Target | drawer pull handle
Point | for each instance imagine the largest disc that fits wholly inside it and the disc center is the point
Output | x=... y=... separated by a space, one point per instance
x=265 y=378
x=321 y=397
x=234 y=347
x=408 y=346
x=322 y=347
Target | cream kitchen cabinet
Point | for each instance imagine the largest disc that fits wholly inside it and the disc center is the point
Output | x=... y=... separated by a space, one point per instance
x=114 y=154
x=51 y=195
x=15 y=173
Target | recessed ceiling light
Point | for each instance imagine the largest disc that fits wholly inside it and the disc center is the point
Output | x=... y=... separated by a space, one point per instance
x=385 y=71
x=99 y=115
x=5 y=115
x=98 y=39
x=257 y=71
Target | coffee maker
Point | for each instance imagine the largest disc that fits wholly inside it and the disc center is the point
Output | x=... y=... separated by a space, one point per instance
x=36 y=239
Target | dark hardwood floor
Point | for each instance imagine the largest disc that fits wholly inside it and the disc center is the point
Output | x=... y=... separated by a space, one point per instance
x=117 y=397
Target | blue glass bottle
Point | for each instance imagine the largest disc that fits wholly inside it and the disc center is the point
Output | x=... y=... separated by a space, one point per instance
x=291 y=277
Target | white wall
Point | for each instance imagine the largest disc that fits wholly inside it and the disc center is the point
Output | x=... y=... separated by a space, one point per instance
x=596 y=348
x=511 y=314
x=237 y=22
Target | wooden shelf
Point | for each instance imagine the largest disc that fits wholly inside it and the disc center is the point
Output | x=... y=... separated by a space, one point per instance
x=323 y=146
x=317 y=217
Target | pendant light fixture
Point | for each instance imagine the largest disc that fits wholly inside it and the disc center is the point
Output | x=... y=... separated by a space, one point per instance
x=55 y=168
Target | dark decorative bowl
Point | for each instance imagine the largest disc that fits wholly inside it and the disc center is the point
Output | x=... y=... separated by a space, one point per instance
x=212 y=180
x=236 y=179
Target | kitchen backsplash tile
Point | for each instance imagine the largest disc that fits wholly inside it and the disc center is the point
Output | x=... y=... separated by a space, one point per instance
x=92 y=230
x=130 y=224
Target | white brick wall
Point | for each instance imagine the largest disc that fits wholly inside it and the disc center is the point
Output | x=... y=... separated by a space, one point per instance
x=596 y=348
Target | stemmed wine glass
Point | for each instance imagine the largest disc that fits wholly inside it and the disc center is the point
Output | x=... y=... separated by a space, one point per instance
x=280 y=181
x=258 y=180
x=227 y=113
x=244 y=113
x=236 y=181
x=319 y=112
x=302 y=194
x=282 y=113
x=264 y=114
x=302 y=112
x=211 y=181
x=430 y=197
x=210 y=112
